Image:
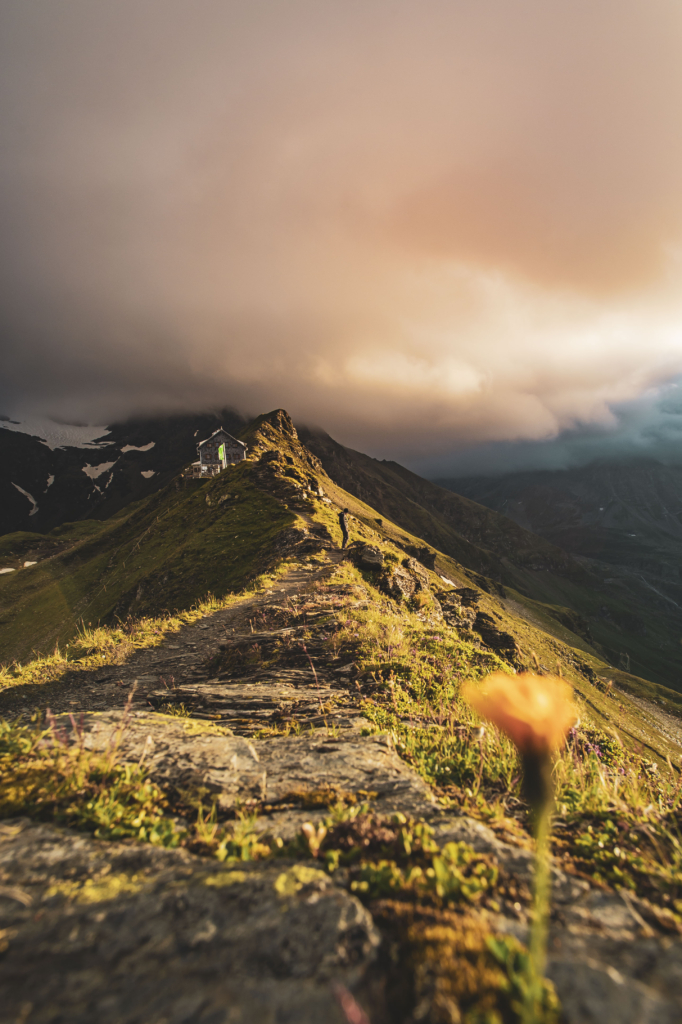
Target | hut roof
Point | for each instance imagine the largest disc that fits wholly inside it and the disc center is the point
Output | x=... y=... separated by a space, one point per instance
x=225 y=434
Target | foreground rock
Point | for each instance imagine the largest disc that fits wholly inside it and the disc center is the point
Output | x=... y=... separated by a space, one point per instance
x=267 y=773
x=264 y=718
x=112 y=933
x=132 y=934
x=607 y=963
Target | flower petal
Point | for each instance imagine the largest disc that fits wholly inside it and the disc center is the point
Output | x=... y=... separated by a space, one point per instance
x=536 y=712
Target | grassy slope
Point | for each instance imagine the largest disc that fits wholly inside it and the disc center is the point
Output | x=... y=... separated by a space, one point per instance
x=625 y=622
x=168 y=551
x=538 y=634
x=161 y=554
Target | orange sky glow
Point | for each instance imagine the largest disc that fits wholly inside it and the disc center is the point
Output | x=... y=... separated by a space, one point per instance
x=421 y=226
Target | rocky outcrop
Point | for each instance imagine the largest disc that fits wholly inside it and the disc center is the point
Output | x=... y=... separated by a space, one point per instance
x=370 y=557
x=455 y=612
x=460 y=609
x=398 y=583
x=495 y=638
x=130 y=934
x=402 y=582
x=261 y=773
x=123 y=934
x=418 y=572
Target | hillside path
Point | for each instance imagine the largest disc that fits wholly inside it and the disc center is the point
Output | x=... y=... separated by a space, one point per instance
x=256 y=707
x=179 y=658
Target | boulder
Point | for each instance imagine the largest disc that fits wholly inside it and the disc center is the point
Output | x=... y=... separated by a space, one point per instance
x=399 y=583
x=370 y=557
x=122 y=933
x=418 y=571
x=457 y=615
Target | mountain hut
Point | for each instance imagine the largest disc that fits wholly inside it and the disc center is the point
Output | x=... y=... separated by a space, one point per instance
x=216 y=453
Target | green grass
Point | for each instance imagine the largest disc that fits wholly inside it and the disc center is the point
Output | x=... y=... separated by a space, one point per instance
x=44 y=778
x=112 y=645
x=20 y=546
x=162 y=556
x=618 y=801
x=624 y=619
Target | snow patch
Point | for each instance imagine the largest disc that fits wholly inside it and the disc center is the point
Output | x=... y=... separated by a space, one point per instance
x=132 y=448
x=26 y=564
x=50 y=481
x=94 y=471
x=3 y=571
x=58 y=435
x=30 y=498
x=146 y=473
x=446 y=580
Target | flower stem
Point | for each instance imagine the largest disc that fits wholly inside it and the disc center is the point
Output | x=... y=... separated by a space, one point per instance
x=532 y=1010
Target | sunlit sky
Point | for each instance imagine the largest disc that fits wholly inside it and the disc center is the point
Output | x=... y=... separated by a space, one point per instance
x=431 y=228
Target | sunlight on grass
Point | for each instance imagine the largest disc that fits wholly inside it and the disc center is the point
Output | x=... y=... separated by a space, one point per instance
x=617 y=813
x=48 y=779
x=112 y=645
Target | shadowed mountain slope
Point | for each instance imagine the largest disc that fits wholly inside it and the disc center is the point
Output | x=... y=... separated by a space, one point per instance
x=627 y=514
x=465 y=529
x=619 y=613
x=42 y=487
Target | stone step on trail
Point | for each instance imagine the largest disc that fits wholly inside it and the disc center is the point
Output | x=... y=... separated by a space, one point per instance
x=247 y=706
x=238 y=771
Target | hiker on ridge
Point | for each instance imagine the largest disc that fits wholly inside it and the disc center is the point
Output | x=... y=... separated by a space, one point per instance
x=343 y=523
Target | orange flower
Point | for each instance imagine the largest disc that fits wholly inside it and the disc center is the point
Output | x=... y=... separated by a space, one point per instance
x=536 y=712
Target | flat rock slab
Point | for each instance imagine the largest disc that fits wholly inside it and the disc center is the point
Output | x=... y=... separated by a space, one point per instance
x=176 y=751
x=124 y=934
x=133 y=934
x=251 y=705
x=184 y=753
x=357 y=764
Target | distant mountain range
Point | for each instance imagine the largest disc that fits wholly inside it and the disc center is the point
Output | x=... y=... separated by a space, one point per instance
x=625 y=515
x=622 y=521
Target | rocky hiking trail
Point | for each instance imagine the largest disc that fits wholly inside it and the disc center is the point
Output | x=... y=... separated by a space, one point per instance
x=177 y=667
x=252 y=704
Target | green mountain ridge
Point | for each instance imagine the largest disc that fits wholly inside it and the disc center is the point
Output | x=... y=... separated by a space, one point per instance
x=623 y=620
x=306 y=738
x=166 y=552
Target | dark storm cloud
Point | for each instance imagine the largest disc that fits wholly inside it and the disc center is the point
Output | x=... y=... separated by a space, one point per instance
x=423 y=226
x=648 y=427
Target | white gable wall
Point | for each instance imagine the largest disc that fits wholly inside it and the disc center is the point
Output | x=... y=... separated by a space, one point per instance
x=234 y=450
